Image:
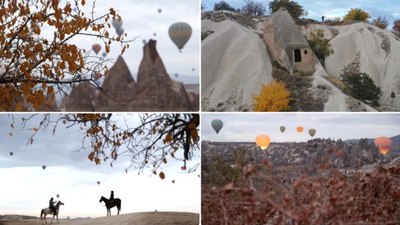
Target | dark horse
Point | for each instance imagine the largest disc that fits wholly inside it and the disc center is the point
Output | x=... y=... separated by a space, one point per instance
x=109 y=204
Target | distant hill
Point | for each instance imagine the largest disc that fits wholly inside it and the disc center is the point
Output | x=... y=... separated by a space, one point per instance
x=337 y=153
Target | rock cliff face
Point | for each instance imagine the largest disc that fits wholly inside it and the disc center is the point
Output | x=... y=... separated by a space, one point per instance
x=240 y=53
x=154 y=90
x=81 y=99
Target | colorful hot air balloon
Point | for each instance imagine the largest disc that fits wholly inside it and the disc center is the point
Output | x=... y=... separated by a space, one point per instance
x=117 y=24
x=282 y=128
x=96 y=48
x=44 y=167
x=11 y=153
x=180 y=34
x=312 y=132
x=217 y=125
x=263 y=141
x=299 y=129
x=384 y=144
x=120 y=31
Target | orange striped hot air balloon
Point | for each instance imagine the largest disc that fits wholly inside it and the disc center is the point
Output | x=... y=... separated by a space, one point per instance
x=383 y=143
x=263 y=141
x=299 y=129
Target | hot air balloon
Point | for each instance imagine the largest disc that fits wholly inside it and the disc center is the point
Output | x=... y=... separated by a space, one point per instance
x=58 y=195
x=383 y=143
x=144 y=41
x=117 y=24
x=180 y=34
x=104 y=54
x=96 y=48
x=44 y=167
x=120 y=31
x=263 y=141
x=98 y=182
x=154 y=34
x=299 y=129
x=159 y=10
x=11 y=153
x=173 y=181
x=193 y=69
x=282 y=128
x=176 y=75
x=312 y=132
x=217 y=125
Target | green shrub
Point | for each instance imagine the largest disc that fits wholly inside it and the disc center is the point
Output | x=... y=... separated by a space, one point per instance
x=222 y=5
x=361 y=86
x=320 y=45
x=293 y=8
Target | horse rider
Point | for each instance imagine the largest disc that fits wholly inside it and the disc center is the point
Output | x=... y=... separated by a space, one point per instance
x=112 y=197
x=52 y=205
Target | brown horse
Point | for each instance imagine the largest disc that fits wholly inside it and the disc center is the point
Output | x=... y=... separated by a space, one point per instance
x=111 y=204
x=46 y=211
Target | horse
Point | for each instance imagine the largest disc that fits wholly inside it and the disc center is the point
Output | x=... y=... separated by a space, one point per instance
x=111 y=204
x=46 y=211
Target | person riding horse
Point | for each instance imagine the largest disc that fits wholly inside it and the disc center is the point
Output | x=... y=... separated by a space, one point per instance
x=112 y=197
x=52 y=205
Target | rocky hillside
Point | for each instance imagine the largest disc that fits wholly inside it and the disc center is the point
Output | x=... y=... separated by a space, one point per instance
x=239 y=54
x=153 y=91
x=316 y=152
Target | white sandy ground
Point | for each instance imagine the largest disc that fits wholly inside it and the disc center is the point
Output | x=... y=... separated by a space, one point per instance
x=235 y=64
x=382 y=66
x=145 y=218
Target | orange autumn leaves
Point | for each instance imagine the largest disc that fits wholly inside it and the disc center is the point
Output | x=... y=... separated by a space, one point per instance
x=34 y=66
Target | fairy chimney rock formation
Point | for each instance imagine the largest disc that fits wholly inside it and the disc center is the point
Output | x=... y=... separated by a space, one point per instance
x=155 y=87
x=81 y=99
x=118 y=89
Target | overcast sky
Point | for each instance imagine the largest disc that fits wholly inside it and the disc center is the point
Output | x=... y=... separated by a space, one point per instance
x=245 y=127
x=26 y=188
x=141 y=19
x=334 y=8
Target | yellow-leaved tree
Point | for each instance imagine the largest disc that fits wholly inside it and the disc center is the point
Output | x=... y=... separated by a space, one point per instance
x=273 y=97
x=356 y=15
x=37 y=56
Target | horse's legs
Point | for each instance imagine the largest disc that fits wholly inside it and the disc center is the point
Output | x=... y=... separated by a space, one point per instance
x=52 y=219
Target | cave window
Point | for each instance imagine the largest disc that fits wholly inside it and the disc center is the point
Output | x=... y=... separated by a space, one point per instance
x=305 y=52
x=297 y=55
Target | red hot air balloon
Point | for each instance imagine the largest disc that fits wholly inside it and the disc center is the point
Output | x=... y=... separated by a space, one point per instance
x=96 y=48
x=384 y=144
x=299 y=129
